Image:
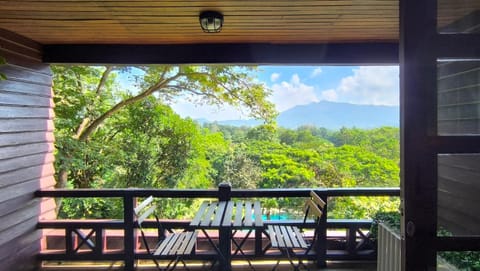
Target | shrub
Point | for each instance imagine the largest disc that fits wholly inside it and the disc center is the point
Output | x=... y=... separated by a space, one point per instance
x=463 y=260
x=391 y=219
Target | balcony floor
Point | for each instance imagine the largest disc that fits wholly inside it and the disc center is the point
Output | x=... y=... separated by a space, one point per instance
x=236 y=266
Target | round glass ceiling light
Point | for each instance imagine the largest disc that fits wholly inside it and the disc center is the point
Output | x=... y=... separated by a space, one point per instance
x=211 y=21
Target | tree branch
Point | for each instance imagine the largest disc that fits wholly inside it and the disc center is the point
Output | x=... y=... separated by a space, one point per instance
x=104 y=78
x=142 y=95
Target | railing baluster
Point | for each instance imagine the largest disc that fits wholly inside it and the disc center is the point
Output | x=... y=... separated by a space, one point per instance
x=99 y=245
x=128 y=238
x=69 y=241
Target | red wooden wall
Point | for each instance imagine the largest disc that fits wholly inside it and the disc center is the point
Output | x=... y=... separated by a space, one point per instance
x=26 y=150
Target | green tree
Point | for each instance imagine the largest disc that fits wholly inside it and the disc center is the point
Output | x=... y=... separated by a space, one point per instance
x=86 y=97
x=154 y=147
x=239 y=170
x=266 y=132
x=383 y=141
x=362 y=167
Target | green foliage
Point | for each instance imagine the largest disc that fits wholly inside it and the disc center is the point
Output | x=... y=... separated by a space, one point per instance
x=463 y=260
x=389 y=218
x=361 y=207
x=365 y=168
x=383 y=141
x=154 y=147
x=239 y=170
x=264 y=132
x=2 y=62
x=108 y=136
x=93 y=208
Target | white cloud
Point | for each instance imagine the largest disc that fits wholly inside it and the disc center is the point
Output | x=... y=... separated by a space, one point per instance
x=274 y=77
x=213 y=113
x=316 y=72
x=368 y=85
x=329 y=95
x=289 y=94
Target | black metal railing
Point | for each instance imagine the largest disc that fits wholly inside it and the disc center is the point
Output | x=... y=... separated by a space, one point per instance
x=93 y=240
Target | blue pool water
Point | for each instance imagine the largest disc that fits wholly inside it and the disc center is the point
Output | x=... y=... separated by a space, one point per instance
x=276 y=217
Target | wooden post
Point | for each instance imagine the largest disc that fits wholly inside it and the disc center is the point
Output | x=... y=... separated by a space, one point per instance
x=418 y=162
x=258 y=241
x=69 y=241
x=224 y=191
x=99 y=238
x=225 y=233
x=128 y=238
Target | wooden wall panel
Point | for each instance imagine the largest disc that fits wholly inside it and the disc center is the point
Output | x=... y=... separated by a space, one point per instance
x=26 y=150
x=459 y=97
x=458 y=113
x=458 y=190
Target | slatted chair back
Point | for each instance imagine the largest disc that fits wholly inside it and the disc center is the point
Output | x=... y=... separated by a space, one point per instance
x=173 y=247
x=145 y=209
x=287 y=238
x=314 y=206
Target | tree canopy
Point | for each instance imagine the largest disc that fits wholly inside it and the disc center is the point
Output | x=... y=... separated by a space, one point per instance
x=88 y=99
x=109 y=135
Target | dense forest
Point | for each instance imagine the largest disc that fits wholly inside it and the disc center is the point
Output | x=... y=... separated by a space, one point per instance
x=109 y=137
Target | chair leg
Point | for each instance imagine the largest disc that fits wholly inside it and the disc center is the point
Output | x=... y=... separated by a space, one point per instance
x=276 y=265
x=185 y=265
x=175 y=262
x=295 y=267
x=157 y=264
x=212 y=266
x=300 y=262
x=239 y=249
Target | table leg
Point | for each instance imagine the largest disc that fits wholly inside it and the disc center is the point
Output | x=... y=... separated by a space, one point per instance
x=225 y=234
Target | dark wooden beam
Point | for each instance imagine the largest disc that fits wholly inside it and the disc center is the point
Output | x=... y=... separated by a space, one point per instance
x=455 y=144
x=460 y=243
x=458 y=46
x=342 y=54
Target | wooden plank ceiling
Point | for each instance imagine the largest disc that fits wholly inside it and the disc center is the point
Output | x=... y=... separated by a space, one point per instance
x=175 y=22
x=246 y=21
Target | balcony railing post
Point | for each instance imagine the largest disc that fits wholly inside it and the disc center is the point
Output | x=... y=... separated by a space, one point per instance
x=321 y=246
x=225 y=233
x=224 y=191
x=128 y=238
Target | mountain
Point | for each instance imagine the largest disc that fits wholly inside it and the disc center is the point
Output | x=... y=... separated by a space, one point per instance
x=332 y=115
x=336 y=115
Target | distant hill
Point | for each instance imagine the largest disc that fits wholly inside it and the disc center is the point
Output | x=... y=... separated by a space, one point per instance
x=336 y=115
x=332 y=115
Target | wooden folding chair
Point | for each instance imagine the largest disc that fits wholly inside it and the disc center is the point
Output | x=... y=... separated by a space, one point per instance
x=173 y=247
x=290 y=238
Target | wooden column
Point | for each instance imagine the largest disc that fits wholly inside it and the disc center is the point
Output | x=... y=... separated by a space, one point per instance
x=418 y=118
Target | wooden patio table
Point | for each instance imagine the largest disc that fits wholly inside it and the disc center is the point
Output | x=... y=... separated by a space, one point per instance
x=230 y=217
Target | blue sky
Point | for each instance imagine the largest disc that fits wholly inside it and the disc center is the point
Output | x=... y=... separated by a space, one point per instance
x=299 y=85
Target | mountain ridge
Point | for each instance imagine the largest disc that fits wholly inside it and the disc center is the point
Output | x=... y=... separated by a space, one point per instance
x=330 y=115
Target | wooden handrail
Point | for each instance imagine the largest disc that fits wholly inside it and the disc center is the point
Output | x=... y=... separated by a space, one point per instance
x=213 y=193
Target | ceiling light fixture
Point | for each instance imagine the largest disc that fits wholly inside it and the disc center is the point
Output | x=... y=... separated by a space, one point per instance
x=211 y=21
